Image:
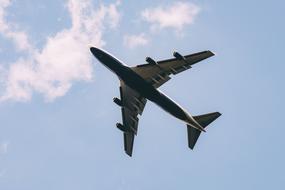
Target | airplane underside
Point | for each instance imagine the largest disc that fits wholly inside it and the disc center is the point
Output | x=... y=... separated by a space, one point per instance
x=140 y=83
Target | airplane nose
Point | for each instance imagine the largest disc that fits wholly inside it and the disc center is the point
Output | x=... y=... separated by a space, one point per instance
x=94 y=50
x=97 y=52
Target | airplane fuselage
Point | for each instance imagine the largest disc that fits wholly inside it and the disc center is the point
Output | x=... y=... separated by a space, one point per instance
x=136 y=82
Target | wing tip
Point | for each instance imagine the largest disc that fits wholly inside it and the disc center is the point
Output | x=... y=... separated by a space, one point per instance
x=128 y=153
x=211 y=53
x=191 y=146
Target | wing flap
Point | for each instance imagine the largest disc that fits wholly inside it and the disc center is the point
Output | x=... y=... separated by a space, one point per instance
x=158 y=74
x=132 y=105
x=191 y=58
x=176 y=66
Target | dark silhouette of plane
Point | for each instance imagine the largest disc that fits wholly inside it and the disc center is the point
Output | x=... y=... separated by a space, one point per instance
x=140 y=83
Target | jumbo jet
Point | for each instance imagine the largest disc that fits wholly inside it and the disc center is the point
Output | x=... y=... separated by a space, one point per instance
x=140 y=83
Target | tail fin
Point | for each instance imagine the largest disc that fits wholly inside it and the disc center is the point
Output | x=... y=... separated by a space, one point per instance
x=204 y=121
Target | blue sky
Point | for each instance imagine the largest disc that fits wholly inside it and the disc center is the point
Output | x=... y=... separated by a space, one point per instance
x=58 y=120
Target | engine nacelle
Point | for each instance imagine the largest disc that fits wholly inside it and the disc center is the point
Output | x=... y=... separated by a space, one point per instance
x=118 y=101
x=150 y=61
x=178 y=56
x=121 y=127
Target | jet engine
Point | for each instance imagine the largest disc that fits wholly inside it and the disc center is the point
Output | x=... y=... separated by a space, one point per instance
x=178 y=56
x=118 y=101
x=121 y=127
x=150 y=61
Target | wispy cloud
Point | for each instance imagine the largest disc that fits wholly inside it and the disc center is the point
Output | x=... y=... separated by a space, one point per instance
x=3 y=150
x=175 y=16
x=19 y=38
x=132 y=41
x=64 y=58
x=3 y=147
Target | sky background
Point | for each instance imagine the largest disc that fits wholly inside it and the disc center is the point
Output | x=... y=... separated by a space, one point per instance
x=58 y=119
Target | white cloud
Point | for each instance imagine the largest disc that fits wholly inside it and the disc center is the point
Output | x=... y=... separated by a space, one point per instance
x=176 y=16
x=64 y=58
x=132 y=41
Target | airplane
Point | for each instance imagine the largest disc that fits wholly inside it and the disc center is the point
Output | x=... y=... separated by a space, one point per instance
x=140 y=83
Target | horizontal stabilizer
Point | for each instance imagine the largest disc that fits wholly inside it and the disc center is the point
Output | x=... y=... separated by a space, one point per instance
x=204 y=121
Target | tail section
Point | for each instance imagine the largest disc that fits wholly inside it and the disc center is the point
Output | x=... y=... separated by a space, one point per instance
x=204 y=121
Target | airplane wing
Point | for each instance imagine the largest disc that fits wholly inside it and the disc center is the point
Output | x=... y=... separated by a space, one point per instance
x=157 y=73
x=132 y=105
